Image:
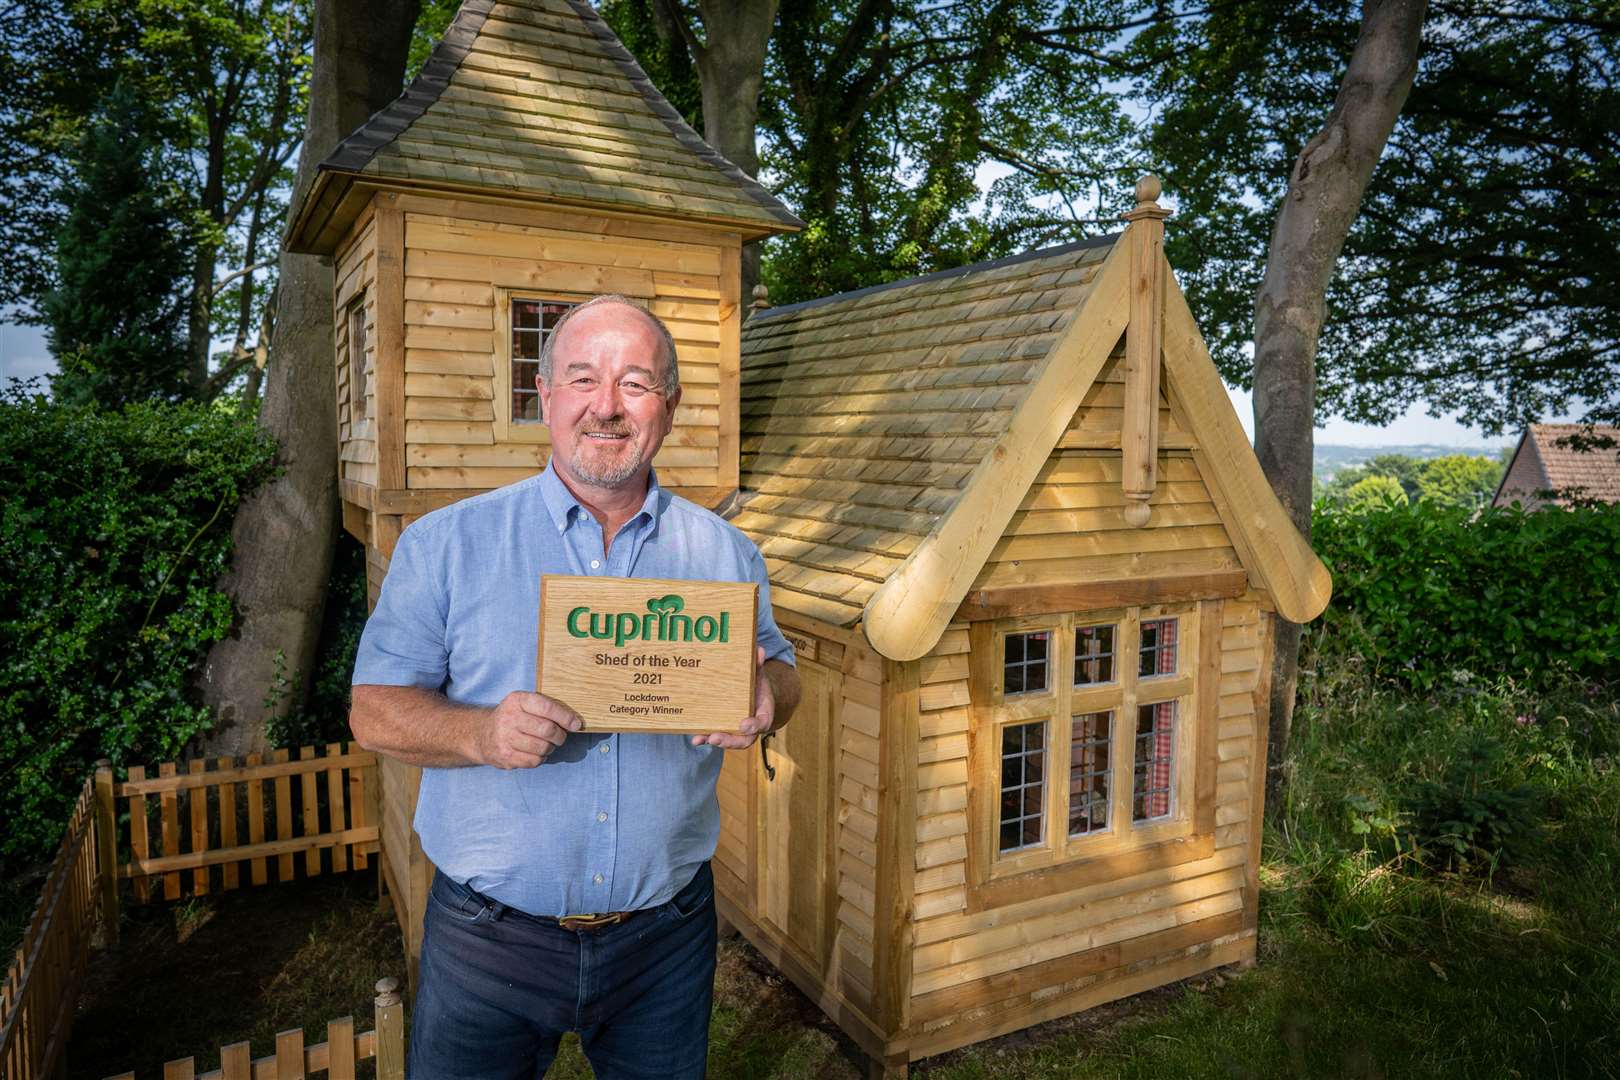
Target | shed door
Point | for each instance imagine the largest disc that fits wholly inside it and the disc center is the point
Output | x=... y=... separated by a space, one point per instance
x=796 y=871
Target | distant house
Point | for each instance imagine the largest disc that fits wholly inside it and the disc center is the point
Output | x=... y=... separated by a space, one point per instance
x=1555 y=465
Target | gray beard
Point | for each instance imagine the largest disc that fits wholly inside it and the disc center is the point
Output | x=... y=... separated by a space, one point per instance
x=607 y=476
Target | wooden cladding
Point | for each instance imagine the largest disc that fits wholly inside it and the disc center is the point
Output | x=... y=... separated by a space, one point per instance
x=444 y=280
x=228 y=823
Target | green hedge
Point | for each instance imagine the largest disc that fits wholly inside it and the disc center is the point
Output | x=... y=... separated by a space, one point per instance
x=114 y=528
x=1423 y=593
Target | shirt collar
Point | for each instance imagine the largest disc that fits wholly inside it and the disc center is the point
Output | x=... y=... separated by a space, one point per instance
x=564 y=508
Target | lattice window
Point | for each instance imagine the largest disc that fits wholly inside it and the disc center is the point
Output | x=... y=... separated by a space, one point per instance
x=1155 y=761
x=357 y=360
x=1094 y=655
x=1088 y=772
x=1158 y=651
x=1023 y=785
x=532 y=324
x=1087 y=736
x=1024 y=663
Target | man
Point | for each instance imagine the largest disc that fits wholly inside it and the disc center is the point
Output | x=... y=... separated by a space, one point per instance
x=529 y=819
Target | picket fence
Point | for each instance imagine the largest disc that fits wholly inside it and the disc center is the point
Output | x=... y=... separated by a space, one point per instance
x=336 y=1057
x=188 y=829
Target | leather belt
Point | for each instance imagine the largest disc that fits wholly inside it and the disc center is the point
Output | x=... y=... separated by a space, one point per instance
x=594 y=922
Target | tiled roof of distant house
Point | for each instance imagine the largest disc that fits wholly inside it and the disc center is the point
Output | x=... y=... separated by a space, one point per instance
x=1558 y=458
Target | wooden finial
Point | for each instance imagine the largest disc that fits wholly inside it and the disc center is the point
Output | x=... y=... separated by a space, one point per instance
x=387 y=991
x=1148 y=190
x=1144 y=339
x=762 y=297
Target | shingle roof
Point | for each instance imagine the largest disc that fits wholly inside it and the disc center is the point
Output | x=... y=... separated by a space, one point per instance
x=889 y=436
x=537 y=98
x=864 y=414
x=1565 y=467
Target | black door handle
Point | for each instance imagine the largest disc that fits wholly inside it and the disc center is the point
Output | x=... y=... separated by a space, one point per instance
x=764 y=755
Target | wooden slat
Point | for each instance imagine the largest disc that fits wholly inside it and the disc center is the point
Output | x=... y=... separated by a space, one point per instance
x=340 y=1049
x=280 y=766
x=337 y=819
x=284 y=849
x=284 y=814
x=236 y=1061
x=255 y=799
x=139 y=843
x=311 y=818
x=198 y=797
x=290 y=1055
x=357 y=811
x=168 y=809
x=181 y=1069
x=229 y=875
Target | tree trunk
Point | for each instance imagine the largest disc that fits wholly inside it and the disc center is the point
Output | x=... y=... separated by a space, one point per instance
x=284 y=535
x=1324 y=196
x=731 y=69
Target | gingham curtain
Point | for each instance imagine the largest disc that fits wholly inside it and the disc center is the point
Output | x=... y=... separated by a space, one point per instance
x=1163 y=725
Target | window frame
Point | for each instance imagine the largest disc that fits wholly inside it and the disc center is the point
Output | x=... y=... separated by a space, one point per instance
x=1124 y=846
x=505 y=428
x=355 y=313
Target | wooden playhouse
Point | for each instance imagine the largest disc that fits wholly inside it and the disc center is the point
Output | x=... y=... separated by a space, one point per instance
x=1028 y=557
x=1011 y=521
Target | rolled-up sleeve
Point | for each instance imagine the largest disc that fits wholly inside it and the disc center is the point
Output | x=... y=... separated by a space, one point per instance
x=403 y=643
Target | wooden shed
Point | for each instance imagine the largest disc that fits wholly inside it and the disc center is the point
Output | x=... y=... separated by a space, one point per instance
x=1011 y=521
x=1027 y=555
x=530 y=166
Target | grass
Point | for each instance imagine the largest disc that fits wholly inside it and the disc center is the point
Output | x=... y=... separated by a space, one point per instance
x=1440 y=898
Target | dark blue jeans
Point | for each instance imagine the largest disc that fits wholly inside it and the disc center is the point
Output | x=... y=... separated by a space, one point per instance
x=498 y=988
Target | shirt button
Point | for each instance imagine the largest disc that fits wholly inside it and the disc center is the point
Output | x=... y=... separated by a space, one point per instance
x=601 y=815
x=595 y=564
x=603 y=748
x=597 y=880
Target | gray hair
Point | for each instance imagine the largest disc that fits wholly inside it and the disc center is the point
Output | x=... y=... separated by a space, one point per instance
x=672 y=368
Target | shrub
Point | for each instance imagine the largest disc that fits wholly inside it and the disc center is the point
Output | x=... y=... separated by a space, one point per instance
x=1423 y=591
x=1469 y=818
x=114 y=528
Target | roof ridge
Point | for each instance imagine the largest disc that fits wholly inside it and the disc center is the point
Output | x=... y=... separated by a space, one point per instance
x=955 y=271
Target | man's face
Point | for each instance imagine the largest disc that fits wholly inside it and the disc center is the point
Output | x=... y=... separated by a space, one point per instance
x=606 y=405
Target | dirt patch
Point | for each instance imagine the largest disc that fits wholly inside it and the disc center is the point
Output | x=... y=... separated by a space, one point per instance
x=190 y=977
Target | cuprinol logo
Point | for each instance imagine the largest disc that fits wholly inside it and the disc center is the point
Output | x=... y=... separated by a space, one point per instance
x=663 y=622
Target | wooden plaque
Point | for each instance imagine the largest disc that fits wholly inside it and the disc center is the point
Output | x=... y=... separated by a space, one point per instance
x=636 y=654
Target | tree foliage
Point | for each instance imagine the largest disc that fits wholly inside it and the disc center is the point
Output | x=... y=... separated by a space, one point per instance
x=226 y=86
x=1479 y=276
x=113 y=320
x=114 y=528
x=1458 y=480
x=913 y=136
x=1374 y=492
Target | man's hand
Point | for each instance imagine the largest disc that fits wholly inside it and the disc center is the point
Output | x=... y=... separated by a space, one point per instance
x=762 y=721
x=523 y=729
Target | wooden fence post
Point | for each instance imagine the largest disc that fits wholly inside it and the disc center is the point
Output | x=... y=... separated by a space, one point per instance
x=107 y=849
x=390 y=1031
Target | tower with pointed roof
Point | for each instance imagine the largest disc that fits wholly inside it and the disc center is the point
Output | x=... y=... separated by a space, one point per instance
x=530 y=166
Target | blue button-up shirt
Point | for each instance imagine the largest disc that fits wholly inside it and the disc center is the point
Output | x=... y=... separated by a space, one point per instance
x=609 y=822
